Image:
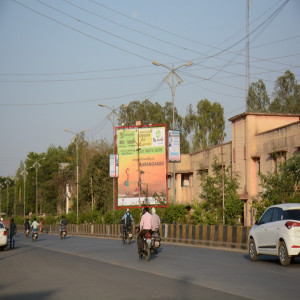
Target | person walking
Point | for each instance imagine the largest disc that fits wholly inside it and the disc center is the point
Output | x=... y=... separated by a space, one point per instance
x=12 y=233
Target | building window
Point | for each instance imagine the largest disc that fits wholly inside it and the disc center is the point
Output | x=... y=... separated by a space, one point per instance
x=186 y=180
x=278 y=158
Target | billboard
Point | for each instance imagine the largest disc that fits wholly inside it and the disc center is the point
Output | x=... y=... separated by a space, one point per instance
x=113 y=165
x=174 y=145
x=142 y=165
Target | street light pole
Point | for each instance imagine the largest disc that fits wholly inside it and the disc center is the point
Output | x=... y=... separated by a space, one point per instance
x=36 y=165
x=113 y=113
x=24 y=173
x=76 y=141
x=7 y=182
x=1 y=186
x=173 y=88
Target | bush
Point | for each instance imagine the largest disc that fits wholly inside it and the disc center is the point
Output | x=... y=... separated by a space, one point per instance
x=109 y=218
x=19 y=220
x=174 y=214
x=71 y=217
x=49 y=220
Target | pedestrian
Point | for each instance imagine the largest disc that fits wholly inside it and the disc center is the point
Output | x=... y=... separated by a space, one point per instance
x=12 y=233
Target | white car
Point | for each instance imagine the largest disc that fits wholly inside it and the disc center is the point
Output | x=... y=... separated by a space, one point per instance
x=3 y=237
x=277 y=233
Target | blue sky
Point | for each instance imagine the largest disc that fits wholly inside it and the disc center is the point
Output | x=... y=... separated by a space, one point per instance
x=59 y=59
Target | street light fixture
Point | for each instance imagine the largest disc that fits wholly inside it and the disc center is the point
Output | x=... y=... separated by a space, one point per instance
x=113 y=113
x=76 y=141
x=173 y=88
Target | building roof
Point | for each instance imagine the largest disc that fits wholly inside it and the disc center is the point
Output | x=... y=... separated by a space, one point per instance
x=244 y=114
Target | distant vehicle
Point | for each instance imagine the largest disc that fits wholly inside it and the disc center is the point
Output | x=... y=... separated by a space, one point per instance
x=3 y=237
x=63 y=232
x=277 y=233
x=34 y=234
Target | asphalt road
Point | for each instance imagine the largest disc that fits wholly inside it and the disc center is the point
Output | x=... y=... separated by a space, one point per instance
x=89 y=268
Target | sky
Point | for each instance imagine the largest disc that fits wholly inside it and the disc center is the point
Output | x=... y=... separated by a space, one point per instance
x=59 y=59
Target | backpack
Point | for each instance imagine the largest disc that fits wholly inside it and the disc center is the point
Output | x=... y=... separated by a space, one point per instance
x=128 y=220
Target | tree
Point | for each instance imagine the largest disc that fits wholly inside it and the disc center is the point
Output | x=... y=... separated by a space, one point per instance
x=211 y=209
x=280 y=187
x=206 y=125
x=153 y=113
x=258 y=99
x=286 y=94
x=101 y=189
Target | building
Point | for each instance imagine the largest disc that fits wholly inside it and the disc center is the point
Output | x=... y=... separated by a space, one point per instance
x=260 y=141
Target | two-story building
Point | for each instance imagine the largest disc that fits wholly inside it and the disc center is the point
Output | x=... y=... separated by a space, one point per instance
x=260 y=141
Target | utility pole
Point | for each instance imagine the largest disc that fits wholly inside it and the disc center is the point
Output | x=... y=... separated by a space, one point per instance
x=7 y=182
x=173 y=88
x=24 y=173
x=113 y=113
x=36 y=165
x=247 y=50
x=223 y=196
x=1 y=186
x=76 y=141
x=15 y=195
x=92 y=193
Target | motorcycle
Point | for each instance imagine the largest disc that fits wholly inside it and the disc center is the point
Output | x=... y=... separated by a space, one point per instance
x=151 y=242
x=34 y=234
x=26 y=233
x=127 y=234
x=63 y=232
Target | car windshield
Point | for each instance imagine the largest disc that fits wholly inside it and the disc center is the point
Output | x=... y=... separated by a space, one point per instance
x=1 y=225
x=291 y=214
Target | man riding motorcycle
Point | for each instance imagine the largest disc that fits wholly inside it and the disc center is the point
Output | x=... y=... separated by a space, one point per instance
x=34 y=227
x=63 y=223
x=145 y=225
x=127 y=221
x=27 y=227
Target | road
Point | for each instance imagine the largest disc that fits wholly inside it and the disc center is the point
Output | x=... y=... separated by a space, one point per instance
x=91 y=268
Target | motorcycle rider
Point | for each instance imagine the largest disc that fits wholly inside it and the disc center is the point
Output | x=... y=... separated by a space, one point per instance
x=63 y=223
x=127 y=221
x=145 y=225
x=27 y=225
x=35 y=226
x=155 y=220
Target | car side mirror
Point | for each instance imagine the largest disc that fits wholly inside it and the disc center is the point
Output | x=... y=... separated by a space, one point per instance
x=257 y=222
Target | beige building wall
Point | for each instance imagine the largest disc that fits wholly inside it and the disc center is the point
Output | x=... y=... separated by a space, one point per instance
x=259 y=143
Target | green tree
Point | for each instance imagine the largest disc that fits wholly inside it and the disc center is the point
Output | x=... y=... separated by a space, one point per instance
x=206 y=125
x=286 y=94
x=258 y=99
x=97 y=181
x=280 y=187
x=211 y=209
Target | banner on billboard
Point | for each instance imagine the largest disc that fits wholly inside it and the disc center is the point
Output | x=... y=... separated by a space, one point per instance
x=174 y=145
x=142 y=165
x=113 y=165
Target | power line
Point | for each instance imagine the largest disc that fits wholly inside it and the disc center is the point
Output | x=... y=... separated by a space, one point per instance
x=85 y=34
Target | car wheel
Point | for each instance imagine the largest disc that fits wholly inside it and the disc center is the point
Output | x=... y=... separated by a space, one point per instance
x=252 y=250
x=284 y=258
